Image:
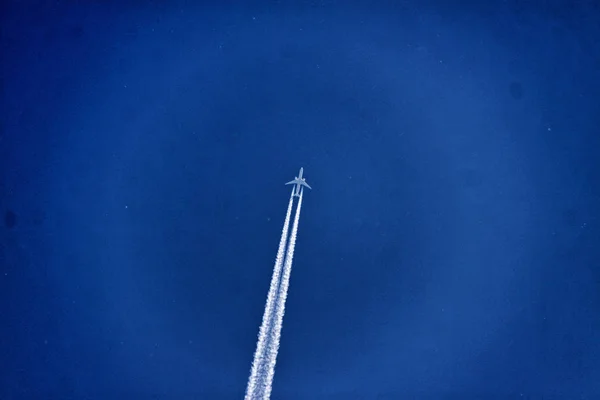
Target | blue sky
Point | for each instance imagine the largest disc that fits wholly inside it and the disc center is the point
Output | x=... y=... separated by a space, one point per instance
x=448 y=249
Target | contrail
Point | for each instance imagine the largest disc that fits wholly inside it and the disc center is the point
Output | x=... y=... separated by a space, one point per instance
x=260 y=354
x=275 y=336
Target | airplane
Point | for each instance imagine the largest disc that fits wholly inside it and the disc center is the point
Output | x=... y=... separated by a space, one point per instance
x=299 y=182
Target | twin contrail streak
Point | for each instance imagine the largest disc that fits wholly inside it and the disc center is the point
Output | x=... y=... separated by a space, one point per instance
x=262 y=372
x=256 y=381
x=275 y=336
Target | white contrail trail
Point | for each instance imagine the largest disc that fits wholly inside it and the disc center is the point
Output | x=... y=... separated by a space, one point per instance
x=275 y=336
x=260 y=353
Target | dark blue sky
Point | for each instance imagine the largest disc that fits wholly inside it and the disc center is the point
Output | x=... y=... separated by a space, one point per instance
x=450 y=247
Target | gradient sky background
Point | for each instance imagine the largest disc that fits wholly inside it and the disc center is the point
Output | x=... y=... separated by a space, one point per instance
x=450 y=247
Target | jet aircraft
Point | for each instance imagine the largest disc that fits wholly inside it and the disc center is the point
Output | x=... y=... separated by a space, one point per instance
x=299 y=182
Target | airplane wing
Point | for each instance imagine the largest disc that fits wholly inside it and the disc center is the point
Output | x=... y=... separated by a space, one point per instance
x=306 y=184
x=291 y=182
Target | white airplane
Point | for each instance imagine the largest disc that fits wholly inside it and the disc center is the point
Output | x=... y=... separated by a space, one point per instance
x=299 y=182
